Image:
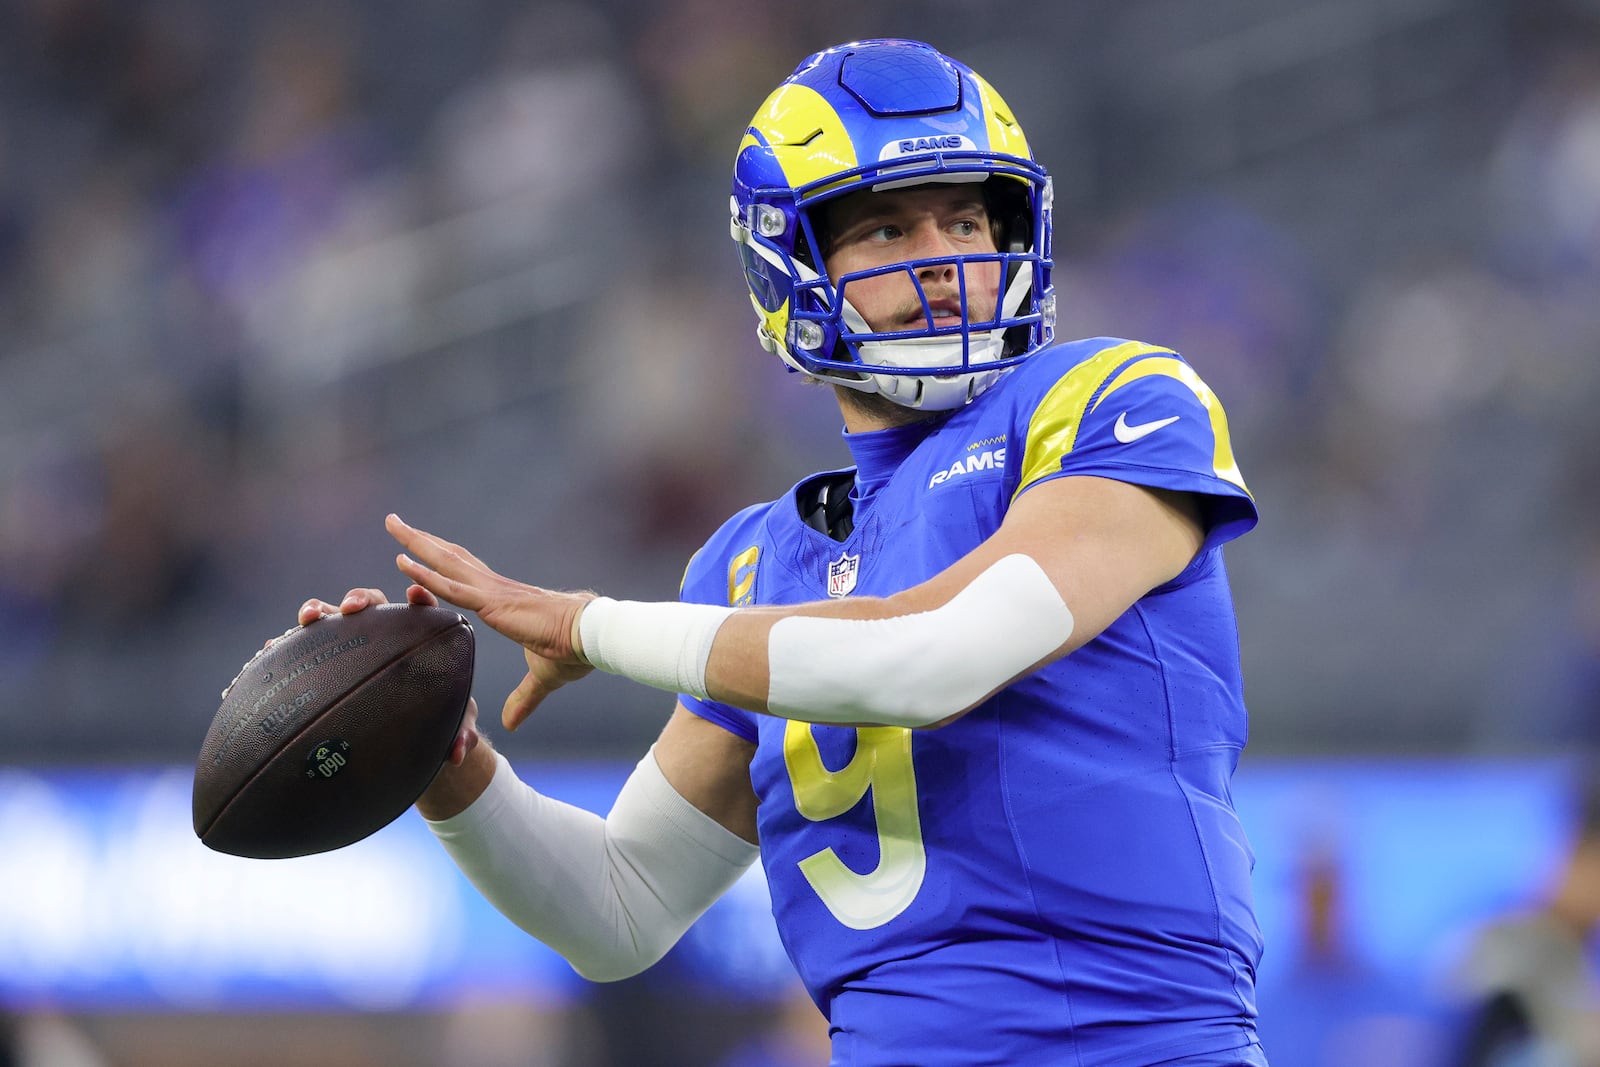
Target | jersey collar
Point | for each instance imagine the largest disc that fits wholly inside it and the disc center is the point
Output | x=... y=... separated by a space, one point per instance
x=879 y=453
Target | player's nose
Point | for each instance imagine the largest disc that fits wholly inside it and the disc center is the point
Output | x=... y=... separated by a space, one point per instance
x=935 y=269
x=929 y=240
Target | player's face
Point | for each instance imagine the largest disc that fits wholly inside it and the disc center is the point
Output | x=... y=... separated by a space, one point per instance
x=925 y=222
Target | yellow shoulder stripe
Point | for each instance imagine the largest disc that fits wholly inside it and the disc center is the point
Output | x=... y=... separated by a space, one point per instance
x=1053 y=430
x=1222 y=461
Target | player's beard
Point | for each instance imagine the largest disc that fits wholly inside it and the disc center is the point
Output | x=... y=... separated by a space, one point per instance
x=881 y=409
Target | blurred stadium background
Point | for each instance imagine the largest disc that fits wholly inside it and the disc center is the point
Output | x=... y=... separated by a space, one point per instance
x=268 y=271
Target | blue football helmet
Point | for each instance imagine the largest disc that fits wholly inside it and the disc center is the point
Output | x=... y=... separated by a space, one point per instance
x=879 y=115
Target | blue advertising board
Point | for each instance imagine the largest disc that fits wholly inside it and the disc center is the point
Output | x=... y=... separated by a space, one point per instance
x=108 y=902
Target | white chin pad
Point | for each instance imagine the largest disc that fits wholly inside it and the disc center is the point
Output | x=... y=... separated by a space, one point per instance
x=915 y=670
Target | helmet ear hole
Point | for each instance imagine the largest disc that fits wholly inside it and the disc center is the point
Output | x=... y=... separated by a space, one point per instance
x=803 y=254
x=1006 y=201
x=1010 y=212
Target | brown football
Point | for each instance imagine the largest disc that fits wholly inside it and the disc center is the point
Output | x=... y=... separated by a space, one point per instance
x=333 y=730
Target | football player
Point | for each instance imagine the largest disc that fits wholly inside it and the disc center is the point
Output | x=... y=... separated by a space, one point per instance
x=975 y=701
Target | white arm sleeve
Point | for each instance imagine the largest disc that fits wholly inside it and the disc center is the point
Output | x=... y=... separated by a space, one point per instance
x=913 y=670
x=611 y=895
x=906 y=670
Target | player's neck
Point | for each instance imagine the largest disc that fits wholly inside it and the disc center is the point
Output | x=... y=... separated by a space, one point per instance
x=865 y=412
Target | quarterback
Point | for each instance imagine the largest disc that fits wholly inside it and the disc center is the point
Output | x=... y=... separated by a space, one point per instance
x=975 y=700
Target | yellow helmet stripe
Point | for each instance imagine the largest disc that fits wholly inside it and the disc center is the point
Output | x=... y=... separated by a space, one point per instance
x=776 y=323
x=1005 y=135
x=805 y=133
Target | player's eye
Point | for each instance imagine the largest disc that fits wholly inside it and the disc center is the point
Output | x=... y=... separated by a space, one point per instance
x=965 y=228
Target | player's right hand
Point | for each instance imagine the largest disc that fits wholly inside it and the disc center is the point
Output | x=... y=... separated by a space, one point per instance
x=542 y=621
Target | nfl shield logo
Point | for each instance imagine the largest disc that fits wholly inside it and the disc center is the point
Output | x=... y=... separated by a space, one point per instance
x=842 y=575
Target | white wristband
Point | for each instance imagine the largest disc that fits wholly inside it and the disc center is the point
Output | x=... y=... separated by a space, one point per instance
x=664 y=645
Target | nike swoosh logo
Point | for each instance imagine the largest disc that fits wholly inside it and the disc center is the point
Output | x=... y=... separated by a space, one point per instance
x=1129 y=434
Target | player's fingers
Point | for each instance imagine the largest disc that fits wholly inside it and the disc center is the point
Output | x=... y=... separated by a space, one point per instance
x=465 y=742
x=447 y=557
x=415 y=594
x=520 y=704
x=445 y=588
x=466 y=737
x=314 y=609
x=469 y=736
x=357 y=599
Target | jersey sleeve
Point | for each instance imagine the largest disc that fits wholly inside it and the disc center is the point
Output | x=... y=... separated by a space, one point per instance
x=722 y=573
x=1139 y=414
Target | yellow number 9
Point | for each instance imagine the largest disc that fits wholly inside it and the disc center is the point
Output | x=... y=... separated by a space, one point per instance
x=882 y=763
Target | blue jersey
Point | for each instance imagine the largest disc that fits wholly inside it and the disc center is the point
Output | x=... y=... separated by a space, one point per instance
x=1059 y=876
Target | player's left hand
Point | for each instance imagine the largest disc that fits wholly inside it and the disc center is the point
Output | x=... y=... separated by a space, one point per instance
x=541 y=621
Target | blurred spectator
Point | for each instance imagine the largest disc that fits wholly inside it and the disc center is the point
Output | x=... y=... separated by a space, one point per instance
x=1530 y=980
x=298 y=144
x=118 y=532
x=516 y=1034
x=1215 y=280
x=1322 y=1003
x=796 y=1035
x=698 y=81
x=664 y=409
x=1545 y=174
x=551 y=126
x=45 y=1040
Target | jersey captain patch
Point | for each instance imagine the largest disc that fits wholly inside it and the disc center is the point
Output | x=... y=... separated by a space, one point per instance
x=742 y=577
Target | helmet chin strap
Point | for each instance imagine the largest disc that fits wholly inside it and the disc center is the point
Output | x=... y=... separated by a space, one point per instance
x=934 y=392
